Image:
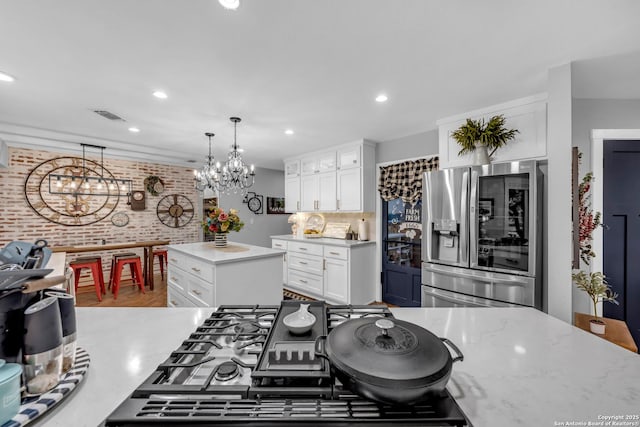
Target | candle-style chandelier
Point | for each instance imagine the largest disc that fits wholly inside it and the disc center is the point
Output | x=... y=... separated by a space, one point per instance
x=232 y=176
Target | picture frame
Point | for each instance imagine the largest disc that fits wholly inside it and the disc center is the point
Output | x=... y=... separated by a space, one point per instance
x=485 y=208
x=275 y=206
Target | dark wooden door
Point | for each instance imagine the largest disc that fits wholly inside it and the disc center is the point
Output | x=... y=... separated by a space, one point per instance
x=401 y=255
x=621 y=220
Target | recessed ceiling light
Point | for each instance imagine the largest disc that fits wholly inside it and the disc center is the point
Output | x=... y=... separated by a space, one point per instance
x=230 y=4
x=4 y=77
x=381 y=98
x=160 y=94
x=134 y=130
x=289 y=132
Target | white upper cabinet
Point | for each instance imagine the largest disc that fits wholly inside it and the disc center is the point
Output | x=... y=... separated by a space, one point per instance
x=527 y=115
x=292 y=169
x=338 y=180
x=349 y=157
x=319 y=163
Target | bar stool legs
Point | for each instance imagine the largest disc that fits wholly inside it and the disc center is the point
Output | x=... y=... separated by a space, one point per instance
x=95 y=265
x=136 y=273
x=162 y=258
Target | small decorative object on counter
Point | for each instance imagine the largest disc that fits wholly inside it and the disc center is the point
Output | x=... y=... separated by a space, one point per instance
x=362 y=230
x=301 y=321
x=221 y=223
x=477 y=136
x=42 y=345
x=595 y=285
x=293 y=220
x=314 y=226
x=9 y=390
x=68 y=318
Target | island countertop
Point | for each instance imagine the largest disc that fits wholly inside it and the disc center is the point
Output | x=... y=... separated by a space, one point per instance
x=521 y=366
x=207 y=251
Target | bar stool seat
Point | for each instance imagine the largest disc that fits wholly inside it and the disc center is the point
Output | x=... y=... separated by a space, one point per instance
x=161 y=253
x=95 y=265
x=119 y=261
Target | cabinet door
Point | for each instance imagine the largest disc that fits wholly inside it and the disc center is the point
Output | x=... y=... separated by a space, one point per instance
x=327 y=192
x=336 y=280
x=282 y=244
x=327 y=162
x=349 y=190
x=349 y=157
x=292 y=195
x=309 y=166
x=292 y=169
x=308 y=193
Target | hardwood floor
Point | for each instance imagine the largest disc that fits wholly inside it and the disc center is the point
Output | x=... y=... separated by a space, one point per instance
x=128 y=296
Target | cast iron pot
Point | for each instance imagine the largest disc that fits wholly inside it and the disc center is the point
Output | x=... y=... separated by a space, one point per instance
x=388 y=361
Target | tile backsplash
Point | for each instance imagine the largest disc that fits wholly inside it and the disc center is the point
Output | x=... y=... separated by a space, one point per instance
x=351 y=218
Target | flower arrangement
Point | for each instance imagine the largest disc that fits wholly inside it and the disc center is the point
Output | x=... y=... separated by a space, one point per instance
x=596 y=286
x=219 y=221
x=588 y=220
x=493 y=134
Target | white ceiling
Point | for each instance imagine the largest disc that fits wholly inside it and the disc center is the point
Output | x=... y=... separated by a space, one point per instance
x=311 y=65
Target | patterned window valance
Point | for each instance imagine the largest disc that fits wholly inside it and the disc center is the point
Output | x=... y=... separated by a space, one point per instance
x=404 y=180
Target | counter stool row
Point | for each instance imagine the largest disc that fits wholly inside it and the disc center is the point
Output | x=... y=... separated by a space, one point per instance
x=118 y=263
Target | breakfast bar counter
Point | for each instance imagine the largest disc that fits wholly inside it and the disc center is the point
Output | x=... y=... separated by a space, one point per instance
x=521 y=367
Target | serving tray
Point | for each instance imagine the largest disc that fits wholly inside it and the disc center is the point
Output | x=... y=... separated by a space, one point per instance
x=33 y=407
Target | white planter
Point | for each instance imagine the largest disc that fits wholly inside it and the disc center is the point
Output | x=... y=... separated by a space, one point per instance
x=220 y=240
x=597 y=326
x=480 y=155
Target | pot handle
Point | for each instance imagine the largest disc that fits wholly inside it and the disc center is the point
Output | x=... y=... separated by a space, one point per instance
x=318 y=347
x=460 y=356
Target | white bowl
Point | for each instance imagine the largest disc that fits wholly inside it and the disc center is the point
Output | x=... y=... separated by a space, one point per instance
x=299 y=322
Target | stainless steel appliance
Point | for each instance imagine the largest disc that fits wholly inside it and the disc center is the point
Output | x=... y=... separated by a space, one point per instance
x=241 y=366
x=482 y=236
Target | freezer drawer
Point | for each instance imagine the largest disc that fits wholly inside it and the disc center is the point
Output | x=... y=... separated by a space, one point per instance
x=433 y=297
x=508 y=288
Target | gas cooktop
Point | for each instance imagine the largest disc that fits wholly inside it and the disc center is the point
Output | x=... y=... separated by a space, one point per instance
x=241 y=366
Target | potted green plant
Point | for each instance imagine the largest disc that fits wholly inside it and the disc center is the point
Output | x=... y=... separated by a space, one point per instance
x=596 y=286
x=477 y=136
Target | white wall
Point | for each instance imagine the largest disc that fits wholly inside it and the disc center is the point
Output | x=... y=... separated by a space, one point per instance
x=258 y=228
x=408 y=147
x=558 y=247
x=589 y=114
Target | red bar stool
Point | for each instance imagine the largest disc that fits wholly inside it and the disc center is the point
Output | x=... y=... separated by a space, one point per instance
x=136 y=272
x=162 y=258
x=113 y=267
x=95 y=265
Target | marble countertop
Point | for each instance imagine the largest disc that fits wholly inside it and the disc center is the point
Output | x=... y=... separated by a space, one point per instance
x=234 y=252
x=521 y=367
x=325 y=241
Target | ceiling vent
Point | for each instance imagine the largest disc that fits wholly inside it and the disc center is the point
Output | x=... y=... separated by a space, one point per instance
x=108 y=115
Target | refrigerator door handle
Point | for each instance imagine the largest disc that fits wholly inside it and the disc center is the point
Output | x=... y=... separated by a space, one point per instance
x=464 y=221
x=473 y=232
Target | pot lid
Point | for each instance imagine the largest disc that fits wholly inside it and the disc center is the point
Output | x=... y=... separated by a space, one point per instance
x=388 y=352
x=9 y=371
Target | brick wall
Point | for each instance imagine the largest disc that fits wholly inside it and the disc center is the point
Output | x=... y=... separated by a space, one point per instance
x=19 y=222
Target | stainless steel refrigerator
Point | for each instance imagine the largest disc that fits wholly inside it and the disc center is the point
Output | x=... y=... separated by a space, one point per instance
x=482 y=229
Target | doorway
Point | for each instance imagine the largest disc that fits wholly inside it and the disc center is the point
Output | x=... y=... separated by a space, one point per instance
x=621 y=230
x=401 y=252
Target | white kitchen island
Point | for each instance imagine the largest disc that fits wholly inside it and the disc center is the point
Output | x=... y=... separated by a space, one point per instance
x=521 y=367
x=203 y=275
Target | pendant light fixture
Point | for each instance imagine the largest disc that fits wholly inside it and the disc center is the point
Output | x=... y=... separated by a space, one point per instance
x=207 y=177
x=234 y=176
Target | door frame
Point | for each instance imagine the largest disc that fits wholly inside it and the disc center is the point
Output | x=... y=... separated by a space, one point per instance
x=598 y=136
x=379 y=217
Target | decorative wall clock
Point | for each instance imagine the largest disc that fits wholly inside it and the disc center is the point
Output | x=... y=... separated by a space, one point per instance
x=120 y=219
x=154 y=185
x=254 y=202
x=72 y=209
x=138 y=202
x=175 y=210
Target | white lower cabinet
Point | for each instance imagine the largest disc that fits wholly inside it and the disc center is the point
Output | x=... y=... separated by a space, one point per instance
x=193 y=282
x=282 y=244
x=339 y=275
